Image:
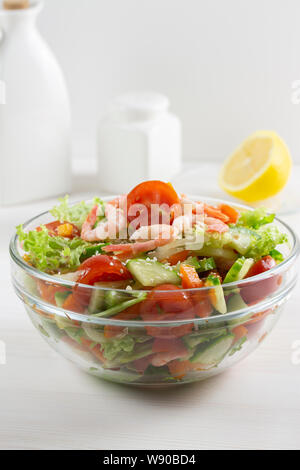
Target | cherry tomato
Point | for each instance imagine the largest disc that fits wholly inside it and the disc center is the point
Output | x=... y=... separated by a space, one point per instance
x=95 y=269
x=102 y=268
x=259 y=290
x=147 y=194
x=53 y=226
x=167 y=306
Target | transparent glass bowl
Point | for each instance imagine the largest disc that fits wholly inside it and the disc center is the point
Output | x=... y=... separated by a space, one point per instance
x=163 y=337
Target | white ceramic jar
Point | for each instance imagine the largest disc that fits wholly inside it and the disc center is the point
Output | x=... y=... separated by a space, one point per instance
x=138 y=140
x=35 y=124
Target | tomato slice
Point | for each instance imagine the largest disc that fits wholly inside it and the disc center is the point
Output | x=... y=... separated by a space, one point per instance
x=102 y=268
x=259 y=290
x=96 y=269
x=167 y=306
x=147 y=194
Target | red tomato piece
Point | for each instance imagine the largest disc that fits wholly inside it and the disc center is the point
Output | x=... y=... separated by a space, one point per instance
x=167 y=306
x=98 y=268
x=147 y=194
x=259 y=290
x=102 y=268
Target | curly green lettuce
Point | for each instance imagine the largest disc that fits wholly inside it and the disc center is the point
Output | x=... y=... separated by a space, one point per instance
x=74 y=213
x=113 y=347
x=255 y=218
x=52 y=254
x=270 y=237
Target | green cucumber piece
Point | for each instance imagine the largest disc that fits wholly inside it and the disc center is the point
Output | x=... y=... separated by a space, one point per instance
x=60 y=298
x=201 y=265
x=152 y=273
x=277 y=255
x=97 y=300
x=141 y=351
x=242 y=239
x=216 y=294
x=194 y=339
x=213 y=352
x=113 y=298
x=225 y=253
x=92 y=251
x=238 y=345
x=120 y=307
x=239 y=270
x=236 y=302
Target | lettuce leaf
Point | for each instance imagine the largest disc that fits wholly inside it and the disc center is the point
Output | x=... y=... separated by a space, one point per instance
x=255 y=219
x=52 y=254
x=270 y=237
x=76 y=213
x=113 y=347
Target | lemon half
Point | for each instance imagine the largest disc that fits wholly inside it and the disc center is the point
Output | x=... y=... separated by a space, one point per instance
x=258 y=169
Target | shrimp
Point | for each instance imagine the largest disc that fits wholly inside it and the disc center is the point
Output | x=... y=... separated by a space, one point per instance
x=215 y=225
x=163 y=234
x=115 y=223
x=196 y=207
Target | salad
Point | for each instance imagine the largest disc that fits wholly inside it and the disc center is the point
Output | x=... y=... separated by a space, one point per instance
x=154 y=256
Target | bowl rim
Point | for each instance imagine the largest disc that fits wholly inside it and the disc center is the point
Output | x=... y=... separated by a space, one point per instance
x=16 y=257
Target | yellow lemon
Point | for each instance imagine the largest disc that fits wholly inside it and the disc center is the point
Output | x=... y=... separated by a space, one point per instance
x=258 y=169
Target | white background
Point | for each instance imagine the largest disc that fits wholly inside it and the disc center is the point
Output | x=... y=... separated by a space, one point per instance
x=227 y=66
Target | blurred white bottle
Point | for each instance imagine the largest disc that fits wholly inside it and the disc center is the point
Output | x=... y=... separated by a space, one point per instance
x=138 y=140
x=35 y=130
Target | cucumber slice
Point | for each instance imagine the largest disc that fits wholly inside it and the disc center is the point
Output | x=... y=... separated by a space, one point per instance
x=194 y=339
x=216 y=294
x=226 y=253
x=141 y=351
x=152 y=273
x=113 y=298
x=242 y=239
x=214 y=352
x=120 y=307
x=91 y=251
x=235 y=302
x=201 y=265
x=60 y=298
x=97 y=300
x=75 y=334
x=63 y=322
x=239 y=270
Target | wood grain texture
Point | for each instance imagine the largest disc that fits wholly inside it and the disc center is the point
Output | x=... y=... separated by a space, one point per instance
x=46 y=403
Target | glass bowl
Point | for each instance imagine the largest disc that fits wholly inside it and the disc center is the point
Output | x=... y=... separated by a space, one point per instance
x=163 y=337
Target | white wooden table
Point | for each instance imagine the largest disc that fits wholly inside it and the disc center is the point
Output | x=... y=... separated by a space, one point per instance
x=46 y=403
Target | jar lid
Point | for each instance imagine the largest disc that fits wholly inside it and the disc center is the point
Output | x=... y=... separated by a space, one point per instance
x=145 y=104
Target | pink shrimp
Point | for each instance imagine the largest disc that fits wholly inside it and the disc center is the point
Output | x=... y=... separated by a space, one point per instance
x=164 y=234
x=215 y=225
x=164 y=357
x=115 y=223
